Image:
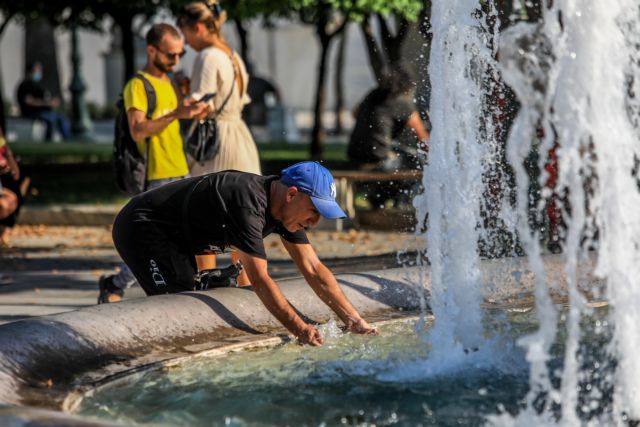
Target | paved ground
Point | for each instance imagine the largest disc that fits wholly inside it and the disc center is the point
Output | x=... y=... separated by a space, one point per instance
x=51 y=269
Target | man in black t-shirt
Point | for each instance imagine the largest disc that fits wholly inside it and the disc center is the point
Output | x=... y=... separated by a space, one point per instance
x=159 y=232
x=36 y=103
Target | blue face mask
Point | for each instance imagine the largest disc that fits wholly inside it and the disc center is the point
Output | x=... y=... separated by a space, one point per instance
x=36 y=76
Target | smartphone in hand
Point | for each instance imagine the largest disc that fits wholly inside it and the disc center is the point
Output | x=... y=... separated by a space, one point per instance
x=207 y=97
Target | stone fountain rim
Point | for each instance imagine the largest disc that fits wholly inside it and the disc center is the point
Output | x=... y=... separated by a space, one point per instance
x=370 y=292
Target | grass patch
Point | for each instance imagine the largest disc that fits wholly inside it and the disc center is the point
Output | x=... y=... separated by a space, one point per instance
x=298 y=152
x=62 y=152
x=73 y=184
x=91 y=152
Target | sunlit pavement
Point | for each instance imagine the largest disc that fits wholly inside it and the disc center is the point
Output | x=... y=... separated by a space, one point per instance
x=52 y=269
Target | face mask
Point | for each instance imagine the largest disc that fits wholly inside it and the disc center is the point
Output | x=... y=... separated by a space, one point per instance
x=36 y=76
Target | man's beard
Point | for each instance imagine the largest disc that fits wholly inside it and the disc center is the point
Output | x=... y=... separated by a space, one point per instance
x=165 y=68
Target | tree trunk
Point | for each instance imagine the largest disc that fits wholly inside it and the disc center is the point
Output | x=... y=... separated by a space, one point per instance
x=339 y=82
x=376 y=58
x=40 y=47
x=243 y=35
x=128 y=51
x=392 y=44
x=317 y=134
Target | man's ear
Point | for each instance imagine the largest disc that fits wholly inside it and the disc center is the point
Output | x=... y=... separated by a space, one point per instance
x=292 y=192
x=151 y=50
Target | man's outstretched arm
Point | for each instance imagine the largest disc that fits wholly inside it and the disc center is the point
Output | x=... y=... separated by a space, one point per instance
x=273 y=299
x=325 y=285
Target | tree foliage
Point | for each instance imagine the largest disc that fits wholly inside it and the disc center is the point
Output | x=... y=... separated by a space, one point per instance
x=330 y=17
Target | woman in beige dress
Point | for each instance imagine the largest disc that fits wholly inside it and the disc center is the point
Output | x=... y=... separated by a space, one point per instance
x=213 y=72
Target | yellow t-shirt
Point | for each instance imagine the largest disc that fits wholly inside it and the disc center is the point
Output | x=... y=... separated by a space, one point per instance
x=166 y=152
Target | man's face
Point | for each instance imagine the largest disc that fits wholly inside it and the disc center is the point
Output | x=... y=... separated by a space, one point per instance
x=298 y=211
x=167 y=54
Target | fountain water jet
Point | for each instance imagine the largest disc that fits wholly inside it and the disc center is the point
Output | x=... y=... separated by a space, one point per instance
x=453 y=178
x=575 y=75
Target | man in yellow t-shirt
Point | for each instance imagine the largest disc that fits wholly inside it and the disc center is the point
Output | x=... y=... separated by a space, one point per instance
x=165 y=154
x=166 y=160
x=158 y=138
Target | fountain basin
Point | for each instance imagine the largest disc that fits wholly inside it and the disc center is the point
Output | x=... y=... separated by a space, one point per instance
x=46 y=361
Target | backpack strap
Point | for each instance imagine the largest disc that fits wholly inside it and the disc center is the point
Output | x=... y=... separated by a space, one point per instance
x=176 y=89
x=151 y=94
x=151 y=106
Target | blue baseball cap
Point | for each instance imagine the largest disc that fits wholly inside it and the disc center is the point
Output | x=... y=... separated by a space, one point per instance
x=315 y=180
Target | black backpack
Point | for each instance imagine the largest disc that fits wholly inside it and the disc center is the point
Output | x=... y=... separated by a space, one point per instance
x=130 y=167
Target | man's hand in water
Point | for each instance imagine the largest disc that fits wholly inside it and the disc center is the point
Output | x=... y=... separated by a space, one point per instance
x=361 y=326
x=310 y=335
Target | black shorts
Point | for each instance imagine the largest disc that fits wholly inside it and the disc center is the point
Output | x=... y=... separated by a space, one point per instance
x=157 y=262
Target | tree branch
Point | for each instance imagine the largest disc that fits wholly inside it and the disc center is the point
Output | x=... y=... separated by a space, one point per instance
x=403 y=30
x=341 y=28
x=385 y=34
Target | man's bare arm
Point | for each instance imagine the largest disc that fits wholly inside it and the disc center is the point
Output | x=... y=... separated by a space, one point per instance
x=141 y=128
x=273 y=299
x=415 y=123
x=325 y=285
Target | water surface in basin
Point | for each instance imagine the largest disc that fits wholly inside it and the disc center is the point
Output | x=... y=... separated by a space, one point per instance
x=352 y=380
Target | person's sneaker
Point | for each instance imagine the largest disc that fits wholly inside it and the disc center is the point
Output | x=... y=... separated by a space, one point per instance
x=108 y=291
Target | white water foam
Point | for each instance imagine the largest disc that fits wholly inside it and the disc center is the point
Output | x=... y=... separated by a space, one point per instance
x=497 y=354
x=524 y=60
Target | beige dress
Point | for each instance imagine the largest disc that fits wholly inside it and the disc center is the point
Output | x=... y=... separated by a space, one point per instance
x=213 y=72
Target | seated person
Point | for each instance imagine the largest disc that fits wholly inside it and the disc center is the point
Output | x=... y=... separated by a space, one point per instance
x=376 y=143
x=36 y=103
x=380 y=119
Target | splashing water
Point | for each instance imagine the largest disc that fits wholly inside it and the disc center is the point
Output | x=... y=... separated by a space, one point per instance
x=575 y=75
x=453 y=179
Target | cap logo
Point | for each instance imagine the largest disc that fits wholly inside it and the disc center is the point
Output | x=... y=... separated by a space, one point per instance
x=333 y=190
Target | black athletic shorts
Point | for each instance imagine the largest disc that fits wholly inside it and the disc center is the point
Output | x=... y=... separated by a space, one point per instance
x=157 y=262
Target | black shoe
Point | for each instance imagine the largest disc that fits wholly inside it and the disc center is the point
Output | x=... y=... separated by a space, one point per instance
x=219 y=277
x=107 y=289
